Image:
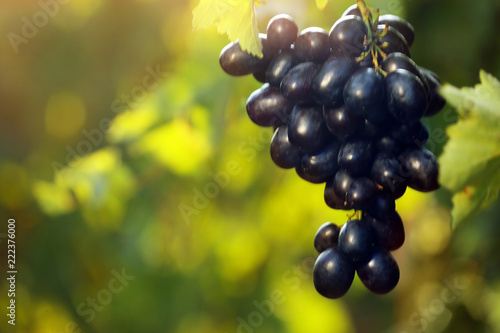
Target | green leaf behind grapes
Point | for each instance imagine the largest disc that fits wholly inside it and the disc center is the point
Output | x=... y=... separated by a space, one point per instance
x=236 y=18
x=470 y=163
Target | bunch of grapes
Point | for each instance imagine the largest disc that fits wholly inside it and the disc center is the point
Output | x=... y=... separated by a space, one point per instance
x=346 y=108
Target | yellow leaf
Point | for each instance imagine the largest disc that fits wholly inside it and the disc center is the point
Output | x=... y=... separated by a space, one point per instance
x=321 y=3
x=236 y=18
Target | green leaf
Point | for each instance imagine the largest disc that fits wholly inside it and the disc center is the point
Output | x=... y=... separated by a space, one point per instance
x=321 y=3
x=470 y=163
x=236 y=18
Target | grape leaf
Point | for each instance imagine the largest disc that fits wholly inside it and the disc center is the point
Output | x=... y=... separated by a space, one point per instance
x=236 y=18
x=470 y=163
x=321 y=3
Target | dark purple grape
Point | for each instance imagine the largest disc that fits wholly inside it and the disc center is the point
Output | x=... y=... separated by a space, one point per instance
x=347 y=36
x=364 y=94
x=352 y=10
x=260 y=75
x=369 y=130
x=268 y=107
x=332 y=199
x=326 y=237
x=356 y=240
x=296 y=84
x=307 y=129
x=387 y=144
x=341 y=183
x=362 y=193
x=398 y=60
x=312 y=45
x=406 y=97
x=341 y=121
x=383 y=206
x=333 y=274
x=283 y=153
x=395 y=41
x=380 y=272
x=421 y=168
x=319 y=167
x=236 y=62
x=385 y=171
x=436 y=101
x=280 y=65
x=282 y=31
x=410 y=133
x=328 y=84
x=389 y=232
x=402 y=26
x=356 y=156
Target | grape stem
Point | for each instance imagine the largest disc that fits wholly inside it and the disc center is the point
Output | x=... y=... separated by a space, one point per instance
x=370 y=18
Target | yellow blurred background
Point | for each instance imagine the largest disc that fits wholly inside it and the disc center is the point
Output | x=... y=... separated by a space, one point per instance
x=145 y=200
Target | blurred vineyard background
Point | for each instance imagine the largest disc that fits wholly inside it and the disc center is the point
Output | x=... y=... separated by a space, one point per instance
x=146 y=200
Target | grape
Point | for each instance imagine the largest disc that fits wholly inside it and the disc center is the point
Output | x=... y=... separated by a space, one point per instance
x=361 y=193
x=389 y=231
x=410 y=132
x=341 y=183
x=383 y=206
x=398 y=60
x=279 y=66
x=422 y=169
x=356 y=240
x=406 y=97
x=402 y=26
x=296 y=84
x=369 y=130
x=312 y=45
x=260 y=75
x=332 y=199
x=380 y=272
x=341 y=122
x=282 y=31
x=347 y=35
x=364 y=94
x=388 y=144
x=283 y=153
x=234 y=61
x=385 y=171
x=307 y=129
x=352 y=10
x=356 y=156
x=396 y=41
x=346 y=109
x=436 y=101
x=319 y=167
x=326 y=237
x=328 y=84
x=333 y=274
x=268 y=107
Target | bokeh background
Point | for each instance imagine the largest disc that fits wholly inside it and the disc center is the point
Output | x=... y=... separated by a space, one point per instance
x=146 y=200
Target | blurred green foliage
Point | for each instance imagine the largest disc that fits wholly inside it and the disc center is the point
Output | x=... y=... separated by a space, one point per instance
x=126 y=151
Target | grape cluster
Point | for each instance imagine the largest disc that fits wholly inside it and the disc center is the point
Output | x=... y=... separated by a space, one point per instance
x=346 y=109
